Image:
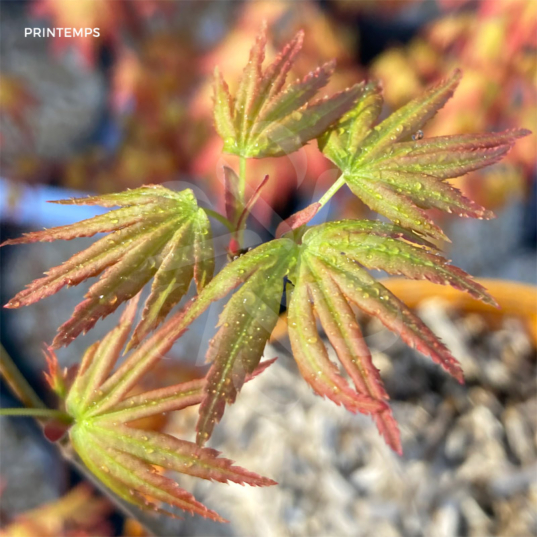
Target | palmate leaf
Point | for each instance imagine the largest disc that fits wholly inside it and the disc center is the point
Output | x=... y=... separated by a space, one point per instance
x=125 y=458
x=330 y=279
x=156 y=233
x=265 y=120
x=328 y=270
x=245 y=326
x=400 y=178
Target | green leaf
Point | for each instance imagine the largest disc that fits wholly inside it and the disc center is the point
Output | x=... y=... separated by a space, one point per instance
x=316 y=292
x=165 y=399
x=245 y=326
x=379 y=246
x=223 y=108
x=156 y=233
x=408 y=119
x=342 y=142
x=123 y=457
x=399 y=178
x=329 y=279
x=327 y=270
x=98 y=363
x=265 y=120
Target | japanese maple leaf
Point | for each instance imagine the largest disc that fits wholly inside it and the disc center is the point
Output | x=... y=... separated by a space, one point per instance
x=399 y=174
x=264 y=119
x=99 y=407
x=327 y=266
x=331 y=277
x=156 y=233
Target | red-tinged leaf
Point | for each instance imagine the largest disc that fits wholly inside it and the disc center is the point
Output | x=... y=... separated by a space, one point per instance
x=310 y=121
x=245 y=326
x=144 y=357
x=232 y=195
x=297 y=94
x=408 y=119
x=339 y=323
x=344 y=232
x=223 y=108
x=275 y=75
x=174 y=454
x=312 y=357
x=427 y=192
x=166 y=399
x=249 y=86
x=86 y=264
x=341 y=142
x=85 y=364
x=298 y=219
x=396 y=257
x=446 y=157
x=397 y=207
x=123 y=458
x=153 y=402
x=375 y=300
x=98 y=365
x=269 y=120
x=132 y=479
x=153 y=229
x=362 y=117
x=138 y=196
x=330 y=278
x=117 y=285
x=56 y=377
x=400 y=179
x=171 y=282
x=112 y=221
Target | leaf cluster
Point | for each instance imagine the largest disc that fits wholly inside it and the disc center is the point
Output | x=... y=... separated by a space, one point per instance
x=128 y=460
x=324 y=270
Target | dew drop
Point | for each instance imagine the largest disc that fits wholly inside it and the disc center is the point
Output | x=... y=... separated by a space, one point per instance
x=418 y=135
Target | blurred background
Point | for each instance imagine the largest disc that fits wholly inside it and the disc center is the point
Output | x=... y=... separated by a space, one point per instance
x=134 y=106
